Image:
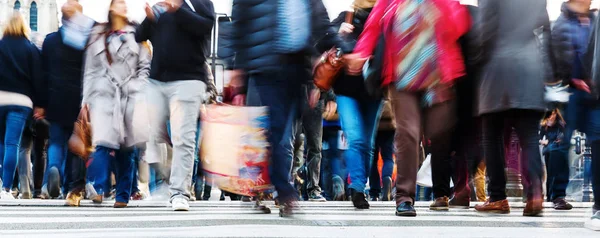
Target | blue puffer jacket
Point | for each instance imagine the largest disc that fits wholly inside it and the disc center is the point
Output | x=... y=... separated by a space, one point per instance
x=254 y=26
x=569 y=44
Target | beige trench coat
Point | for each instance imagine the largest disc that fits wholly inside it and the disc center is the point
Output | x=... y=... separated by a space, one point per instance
x=113 y=91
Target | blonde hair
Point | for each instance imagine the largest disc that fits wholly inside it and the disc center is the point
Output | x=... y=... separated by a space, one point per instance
x=16 y=26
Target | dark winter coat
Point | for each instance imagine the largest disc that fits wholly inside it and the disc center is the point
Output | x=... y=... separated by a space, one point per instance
x=63 y=72
x=21 y=69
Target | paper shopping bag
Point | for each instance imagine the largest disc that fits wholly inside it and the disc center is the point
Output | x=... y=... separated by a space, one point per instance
x=234 y=148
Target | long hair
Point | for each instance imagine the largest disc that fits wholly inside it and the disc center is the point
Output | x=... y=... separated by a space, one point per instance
x=108 y=30
x=561 y=121
x=16 y=26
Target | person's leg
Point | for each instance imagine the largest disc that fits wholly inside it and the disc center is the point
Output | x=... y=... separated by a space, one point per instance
x=595 y=173
x=312 y=123
x=526 y=125
x=479 y=182
x=386 y=148
x=557 y=174
x=439 y=123
x=40 y=146
x=407 y=112
x=185 y=98
x=353 y=127
x=298 y=154
x=24 y=165
x=98 y=171
x=280 y=92
x=326 y=170
x=493 y=125
x=374 y=178
x=16 y=119
x=371 y=110
x=158 y=114
x=57 y=153
x=125 y=161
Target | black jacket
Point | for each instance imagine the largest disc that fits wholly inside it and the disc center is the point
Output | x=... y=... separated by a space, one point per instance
x=349 y=85
x=63 y=71
x=180 y=42
x=21 y=69
x=569 y=42
x=254 y=26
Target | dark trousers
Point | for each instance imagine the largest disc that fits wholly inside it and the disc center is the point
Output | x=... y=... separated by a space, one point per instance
x=283 y=93
x=384 y=145
x=332 y=164
x=437 y=122
x=312 y=125
x=526 y=124
x=41 y=133
x=557 y=164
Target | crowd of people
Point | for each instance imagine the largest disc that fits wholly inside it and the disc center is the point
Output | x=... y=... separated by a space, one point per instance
x=453 y=79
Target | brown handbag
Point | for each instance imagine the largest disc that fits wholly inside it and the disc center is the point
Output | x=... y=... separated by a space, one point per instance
x=80 y=142
x=328 y=66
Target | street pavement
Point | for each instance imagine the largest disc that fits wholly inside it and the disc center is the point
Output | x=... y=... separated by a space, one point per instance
x=48 y=218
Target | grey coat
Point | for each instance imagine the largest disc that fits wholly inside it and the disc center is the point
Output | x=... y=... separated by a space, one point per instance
x=513 y=38
x=112 y=90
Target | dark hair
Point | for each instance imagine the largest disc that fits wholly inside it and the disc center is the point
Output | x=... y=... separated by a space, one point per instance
x=108 y=30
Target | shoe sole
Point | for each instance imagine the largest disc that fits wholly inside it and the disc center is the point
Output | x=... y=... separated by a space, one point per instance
x=439 y=208
x=54 y=182
x=181 y=209
x=317 y=200
x=588 y=225
x=494 y=212
x=458 y=207
x=562 y=209
x=406 y=214
x=533 y=214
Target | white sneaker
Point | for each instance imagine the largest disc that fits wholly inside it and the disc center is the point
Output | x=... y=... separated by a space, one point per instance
x=594 y=222
x=180 y=204
x=4 y=195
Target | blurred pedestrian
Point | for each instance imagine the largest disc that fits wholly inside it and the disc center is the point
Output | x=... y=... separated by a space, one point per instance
x=359 y=112
x=116 y=68
x=179 y=31
x=22 y=91
x=421 y=61
x=62 y=59
x=514 y=39
x=381 y=183
x=273 y=44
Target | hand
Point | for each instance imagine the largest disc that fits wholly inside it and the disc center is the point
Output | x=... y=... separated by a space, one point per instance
x=39 y=113
x=239 y=100
x=346 y=29
x=544 y=142
x=330 y=110
x=313 y=98
x=70 y=8
x=581 y=85
x=149 y=12
x=354 y=63
x=172 y=5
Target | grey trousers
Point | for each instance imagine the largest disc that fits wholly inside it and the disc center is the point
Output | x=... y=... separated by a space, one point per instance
x=179 y=103
x=312 y=126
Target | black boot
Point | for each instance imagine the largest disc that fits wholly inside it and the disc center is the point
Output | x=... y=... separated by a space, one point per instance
x=359 y=199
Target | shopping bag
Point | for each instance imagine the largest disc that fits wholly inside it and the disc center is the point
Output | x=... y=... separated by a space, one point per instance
x=424 y=175
x=234 y=148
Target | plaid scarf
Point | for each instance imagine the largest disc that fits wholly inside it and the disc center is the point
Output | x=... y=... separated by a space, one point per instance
x=414 y=30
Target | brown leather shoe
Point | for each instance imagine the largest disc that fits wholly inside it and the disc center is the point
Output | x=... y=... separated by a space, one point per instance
x=458 y=203
x=74 y=198
x=97 y=199
x=500 y=207
x=562 y=204
x=439 y=204
x=120 y=205
x=534 y=208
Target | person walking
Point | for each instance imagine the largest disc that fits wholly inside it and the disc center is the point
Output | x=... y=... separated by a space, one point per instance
x=116 y=68
x=177 y=86
x=22 y=91
x=359 y=112
x=514 y=39
x=384 y=146
x=422 y=59
x=62 y=60
x=570 y=35
x=273 y=43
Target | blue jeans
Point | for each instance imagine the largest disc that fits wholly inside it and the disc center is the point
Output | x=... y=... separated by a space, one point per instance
x=282 y=92
x=359 y=122
x=384 y=144
x=332 y=164
x=98 y=173
x=58 y=149
x=14 y=119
